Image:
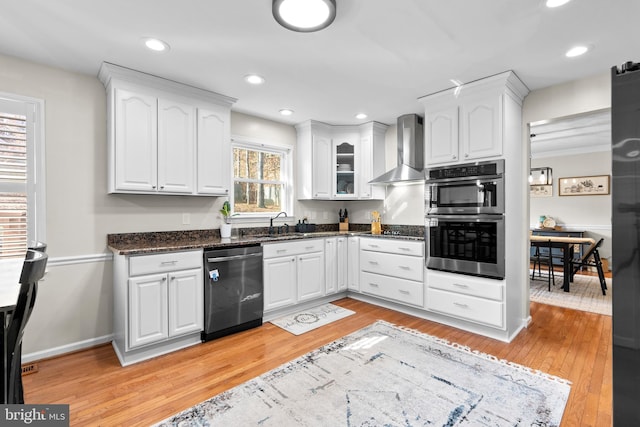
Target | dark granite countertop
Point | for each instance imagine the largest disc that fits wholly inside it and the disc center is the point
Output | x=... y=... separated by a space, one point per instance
x=167 y=241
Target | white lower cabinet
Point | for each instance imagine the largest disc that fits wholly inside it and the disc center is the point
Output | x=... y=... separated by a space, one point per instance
x=158 y=304
x=335 y=257
x=293 y=272
x=164 y=305
x=392 y=269
x=470 y=298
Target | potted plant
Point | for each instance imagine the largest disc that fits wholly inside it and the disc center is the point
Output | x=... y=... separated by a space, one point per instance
x=225 y=227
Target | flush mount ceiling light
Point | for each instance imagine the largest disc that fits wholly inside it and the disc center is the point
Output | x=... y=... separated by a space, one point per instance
x=304 y=15
x=361 y=116
x=156 y=45
x=576 y=51
x=286 y=112
x=254 y=79
x=556 y=3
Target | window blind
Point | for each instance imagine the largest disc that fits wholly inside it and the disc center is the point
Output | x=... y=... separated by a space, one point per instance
x=13 y=185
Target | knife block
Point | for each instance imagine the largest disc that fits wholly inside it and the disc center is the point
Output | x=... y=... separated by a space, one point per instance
x=344 y=226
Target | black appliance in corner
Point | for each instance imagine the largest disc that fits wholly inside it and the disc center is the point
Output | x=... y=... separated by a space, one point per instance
x=233 y=290
x=625 y=155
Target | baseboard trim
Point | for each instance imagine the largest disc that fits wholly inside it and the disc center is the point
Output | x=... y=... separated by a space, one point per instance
x=67 y=348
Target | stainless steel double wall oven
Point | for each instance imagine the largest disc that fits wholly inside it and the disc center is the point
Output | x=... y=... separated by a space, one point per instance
x=464 y=219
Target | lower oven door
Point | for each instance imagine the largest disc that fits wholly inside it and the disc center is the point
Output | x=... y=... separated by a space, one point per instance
x=466 y=244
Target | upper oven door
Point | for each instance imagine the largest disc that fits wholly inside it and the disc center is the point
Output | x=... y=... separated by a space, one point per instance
x=465 y=196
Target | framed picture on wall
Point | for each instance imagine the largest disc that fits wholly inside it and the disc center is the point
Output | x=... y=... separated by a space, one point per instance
x=540 y=190
x=584 y=186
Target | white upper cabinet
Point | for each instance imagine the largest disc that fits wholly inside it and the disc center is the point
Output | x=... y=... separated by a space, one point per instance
x=466 y=123
x=176 y=146
x=337 y=162
x=214 y=151
x=135 y=141
x=165 y=137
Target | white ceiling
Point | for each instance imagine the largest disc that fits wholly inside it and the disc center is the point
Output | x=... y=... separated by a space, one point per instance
x=378 y=57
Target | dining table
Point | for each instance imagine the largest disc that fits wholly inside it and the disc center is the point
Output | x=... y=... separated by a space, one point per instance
x=567 y=244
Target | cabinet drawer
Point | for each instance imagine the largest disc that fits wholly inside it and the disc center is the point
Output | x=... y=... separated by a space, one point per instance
x=160 y=263
x=401 y=290
x=394 y=246
x=466 y=307
x=475 y=286
x=296 y=247
x=404 y=267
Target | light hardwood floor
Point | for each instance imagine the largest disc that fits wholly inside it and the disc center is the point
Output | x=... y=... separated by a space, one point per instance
x=567 y=343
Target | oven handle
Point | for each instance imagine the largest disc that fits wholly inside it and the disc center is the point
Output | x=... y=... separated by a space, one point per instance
x=472 y=218
x=481 y=178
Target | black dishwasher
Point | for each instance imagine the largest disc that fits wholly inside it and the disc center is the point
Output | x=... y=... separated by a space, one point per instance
x=233 y=290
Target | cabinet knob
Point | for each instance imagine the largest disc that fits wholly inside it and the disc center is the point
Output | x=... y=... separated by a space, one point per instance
x=466 y=155
x=164 y=279
x=454 y=157
x=162 y=187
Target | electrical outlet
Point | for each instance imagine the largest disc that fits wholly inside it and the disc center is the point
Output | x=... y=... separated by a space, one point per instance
x=186 y=219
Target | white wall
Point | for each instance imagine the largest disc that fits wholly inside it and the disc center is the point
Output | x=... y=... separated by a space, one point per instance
x=588 y=213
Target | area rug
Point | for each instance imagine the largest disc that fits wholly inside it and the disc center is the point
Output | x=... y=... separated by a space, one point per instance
x=384 y=375
x=584 y=293
x=310 y=319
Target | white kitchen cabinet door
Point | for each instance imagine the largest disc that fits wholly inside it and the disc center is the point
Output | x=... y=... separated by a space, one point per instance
x=279 y=282
x=331 y=265
x=310 y=276
x=176 y=145
x=481 y=126
x=341 y=263
x=186 y=302
x=148 y=310
x=353 y=266
x=214 y=151
x=441 y=136
x=365 y=167
x=322 y=167
x=136 y=141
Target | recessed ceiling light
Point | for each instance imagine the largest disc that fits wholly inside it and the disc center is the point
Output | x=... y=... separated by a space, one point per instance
x=576 y=51
x=254 y=79
x=156 y=45
x=286 y=112
x=361 y=116
x=304 y=15
x=556 y=3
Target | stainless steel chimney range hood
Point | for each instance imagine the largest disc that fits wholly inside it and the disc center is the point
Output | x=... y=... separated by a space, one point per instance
x=410 y=153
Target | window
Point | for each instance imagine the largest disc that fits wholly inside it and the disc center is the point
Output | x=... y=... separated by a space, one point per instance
x=21 y=175
x=261 y=179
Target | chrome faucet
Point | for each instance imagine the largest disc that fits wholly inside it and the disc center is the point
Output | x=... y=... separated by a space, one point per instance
x=271 y=221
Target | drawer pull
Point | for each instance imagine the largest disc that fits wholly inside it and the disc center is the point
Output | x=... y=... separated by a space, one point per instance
x=280 y=251
x=405 y=249
x=402 y=291
x=169 y=262
x=458 y=304
x=375 y=285
x=373 y=262
x=309 y=247
x=404 y=267
x=373 y=246
x=461 y=285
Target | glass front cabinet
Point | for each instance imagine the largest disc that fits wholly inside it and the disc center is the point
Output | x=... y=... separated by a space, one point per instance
x=342 y=160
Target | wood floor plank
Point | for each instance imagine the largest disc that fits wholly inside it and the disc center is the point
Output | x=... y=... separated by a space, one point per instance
x=101 y=392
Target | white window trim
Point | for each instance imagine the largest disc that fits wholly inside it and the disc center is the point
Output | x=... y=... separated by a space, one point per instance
x=36 y=186
x=286 y=174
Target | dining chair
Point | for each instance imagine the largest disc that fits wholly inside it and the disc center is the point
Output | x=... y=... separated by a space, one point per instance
x=33 y=270
x=591 y=258
x=543 y=254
